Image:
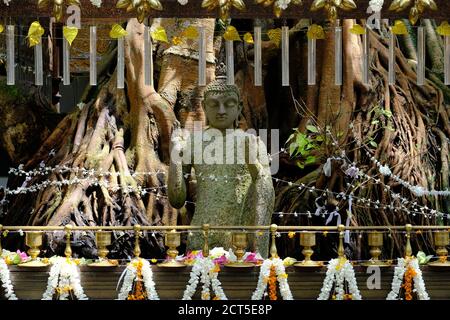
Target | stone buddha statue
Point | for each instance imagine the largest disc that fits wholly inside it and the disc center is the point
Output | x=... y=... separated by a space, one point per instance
x=234 y=184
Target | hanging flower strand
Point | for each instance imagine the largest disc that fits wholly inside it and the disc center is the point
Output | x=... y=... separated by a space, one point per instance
x=138 y=283
x=58 y=6
x=6 y=280
x=271 y=272
x=142 y=7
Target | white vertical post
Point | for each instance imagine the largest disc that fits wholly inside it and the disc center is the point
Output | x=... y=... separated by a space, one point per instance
x=66 y=62
x=420 y=56
x=312 y=62
x=10 y=56
x=366 y=57
x=285 y=56
x=38 y=66
x=229 y=52
x=120 y=63
x=391 y=75
x=202 y=57
x=148 y=57
x=447 y=60
x=258 y=56
x=93 y=56
x=338 y=56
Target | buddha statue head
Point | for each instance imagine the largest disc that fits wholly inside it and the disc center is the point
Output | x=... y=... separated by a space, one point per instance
x=222 y=104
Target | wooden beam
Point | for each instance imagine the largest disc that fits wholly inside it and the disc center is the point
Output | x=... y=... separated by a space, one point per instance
x=172 y=9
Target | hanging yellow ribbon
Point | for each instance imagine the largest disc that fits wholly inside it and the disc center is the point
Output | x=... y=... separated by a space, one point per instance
x=315 y=32
x=248 y=38
x=117 y=31
x=190 y=32
x=35 y=33
x=231 y=34
x=70 y=33
x=2 y=28
x=275 y=36
x=159 y=34
x=399 y=27
x=358 y=29
x=443 y=29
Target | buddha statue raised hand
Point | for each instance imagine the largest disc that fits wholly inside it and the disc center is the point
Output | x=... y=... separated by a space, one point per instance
x=234 y=184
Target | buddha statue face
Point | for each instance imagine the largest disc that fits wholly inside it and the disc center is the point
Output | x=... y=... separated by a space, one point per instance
x=222 y=105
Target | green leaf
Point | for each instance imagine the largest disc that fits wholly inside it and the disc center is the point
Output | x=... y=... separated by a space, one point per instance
x=301 y=140
x=375 y=122
x=373 y=143
x=423 y=259
x=16 y=259
x=319 y=138
x=340 y=134
x=312 y=129
x=310 y=160
x=292 y=148
x=300 y=165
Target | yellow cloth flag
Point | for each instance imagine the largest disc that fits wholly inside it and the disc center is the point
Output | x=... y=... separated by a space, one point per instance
x=358 y=29
x=117 y=31
x=399 y=28
x=190 y=32
x=275 y=36
x=35 y=33
x=231 y=34
x=248 y=37
x=443 y=29
x=315 y=32
x=70 y=33
x=159 y=34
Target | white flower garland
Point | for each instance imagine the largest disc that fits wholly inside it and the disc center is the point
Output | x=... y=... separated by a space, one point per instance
x=204 y=270
x=264 y=274
x=399 y=272
x=130 y=276
x=338 y=272
x=63 y=276
x=6 y=281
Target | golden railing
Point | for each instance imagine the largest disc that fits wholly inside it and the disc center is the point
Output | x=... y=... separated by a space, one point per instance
x=239 y=239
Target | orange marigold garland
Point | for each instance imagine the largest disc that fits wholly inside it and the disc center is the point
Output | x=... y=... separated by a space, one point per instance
x=138 y=292
x=273 y=283
x=407 y=285
x=408 y=276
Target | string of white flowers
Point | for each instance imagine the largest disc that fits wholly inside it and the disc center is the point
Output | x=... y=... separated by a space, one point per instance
x=6 y=281
x=384 y=170
x=339 y=271
x=204 y=270
x=96 y=3
x=130 y=276
x=63 y=277
x=399 y=272
x=264 y=275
